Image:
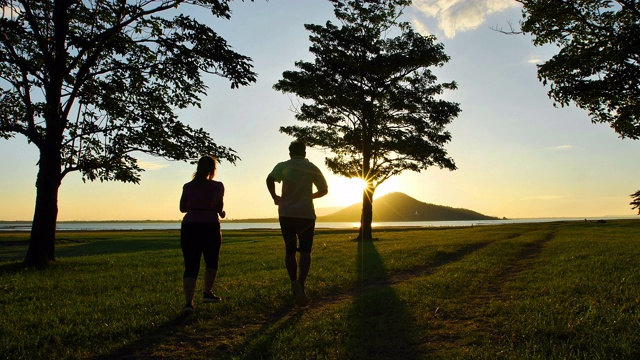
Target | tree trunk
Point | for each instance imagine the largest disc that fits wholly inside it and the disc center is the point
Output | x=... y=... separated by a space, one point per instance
x=366 y=218
x=43 y=228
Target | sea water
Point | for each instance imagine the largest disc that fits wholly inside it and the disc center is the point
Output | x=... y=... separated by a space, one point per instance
x=226 y=225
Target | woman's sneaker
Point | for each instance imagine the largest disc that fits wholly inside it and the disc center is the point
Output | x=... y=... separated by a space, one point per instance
x=187 y=309
x=210 y=297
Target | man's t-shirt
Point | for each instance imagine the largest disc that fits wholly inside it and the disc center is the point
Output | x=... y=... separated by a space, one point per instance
x=298 y=175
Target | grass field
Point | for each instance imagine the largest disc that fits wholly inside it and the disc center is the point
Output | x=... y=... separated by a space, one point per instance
x=561 y=290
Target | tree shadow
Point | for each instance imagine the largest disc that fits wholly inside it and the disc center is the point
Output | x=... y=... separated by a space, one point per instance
x=108 y=247
x=12 y=268
x=380 y=326
x=14 y=251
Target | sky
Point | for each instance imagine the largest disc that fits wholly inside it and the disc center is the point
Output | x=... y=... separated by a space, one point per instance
x=517 y=155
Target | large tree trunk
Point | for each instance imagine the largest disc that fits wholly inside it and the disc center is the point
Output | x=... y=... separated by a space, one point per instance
x=43 y=228
x=366 y=218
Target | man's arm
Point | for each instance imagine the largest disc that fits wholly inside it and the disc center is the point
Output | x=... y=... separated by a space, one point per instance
x=271 y=185
x=321 y=185
x=320 y=193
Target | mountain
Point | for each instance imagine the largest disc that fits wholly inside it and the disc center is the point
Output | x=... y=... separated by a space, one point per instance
x=398 y=206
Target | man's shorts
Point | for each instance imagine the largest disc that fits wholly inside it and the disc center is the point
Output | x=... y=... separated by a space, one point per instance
x=296 y=230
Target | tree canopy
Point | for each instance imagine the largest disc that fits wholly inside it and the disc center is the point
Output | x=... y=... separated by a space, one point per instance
x=90 y=83
x=635 y=203
x=597 y=66
x=372 y=99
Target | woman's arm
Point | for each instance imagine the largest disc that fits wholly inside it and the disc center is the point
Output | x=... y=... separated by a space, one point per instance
x=220 y=210
x=183 y=202
x=216 y=202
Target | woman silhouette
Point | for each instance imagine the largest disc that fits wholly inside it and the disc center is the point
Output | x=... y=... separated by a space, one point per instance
x=200 y=235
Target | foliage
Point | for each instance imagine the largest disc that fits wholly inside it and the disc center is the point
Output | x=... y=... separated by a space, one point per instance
x=598 y=63
x=635 y=203
x=97 y=81
x=92 y=83
x=372 y=99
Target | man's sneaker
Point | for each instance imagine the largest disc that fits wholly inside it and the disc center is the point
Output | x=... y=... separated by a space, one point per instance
x=210 y=297
x=298 y=291
x=187 y=309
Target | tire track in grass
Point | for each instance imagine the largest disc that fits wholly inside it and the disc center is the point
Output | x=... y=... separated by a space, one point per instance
x=398 y=277
x=525 y=260
x=464 y=329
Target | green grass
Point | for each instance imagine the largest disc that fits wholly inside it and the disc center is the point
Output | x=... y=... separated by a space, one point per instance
x=562 y=290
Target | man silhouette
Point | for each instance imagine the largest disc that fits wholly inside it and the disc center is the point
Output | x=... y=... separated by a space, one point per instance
x=296 y=212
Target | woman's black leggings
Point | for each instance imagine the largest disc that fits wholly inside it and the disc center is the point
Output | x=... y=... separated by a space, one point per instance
x=200 y=240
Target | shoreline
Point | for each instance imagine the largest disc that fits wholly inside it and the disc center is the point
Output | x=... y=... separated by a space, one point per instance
x=275 y=220
x=162 y=226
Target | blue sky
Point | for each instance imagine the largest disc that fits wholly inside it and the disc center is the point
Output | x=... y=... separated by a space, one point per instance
x=517 y=155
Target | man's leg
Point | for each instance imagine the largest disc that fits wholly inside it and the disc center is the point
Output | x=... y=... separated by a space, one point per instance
x=297 y=286
x=289 y=234
x=305 y=265
x=292 y=266
x=305 y=234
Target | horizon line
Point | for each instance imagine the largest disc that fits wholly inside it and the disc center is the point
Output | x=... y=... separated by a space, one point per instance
x=275 y=219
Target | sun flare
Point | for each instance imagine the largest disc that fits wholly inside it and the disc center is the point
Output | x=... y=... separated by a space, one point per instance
x=345 y=192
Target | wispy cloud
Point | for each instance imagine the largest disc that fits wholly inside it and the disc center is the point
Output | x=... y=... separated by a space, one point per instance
x=562 y=147
x=151 y=166
x=460 y=15
x=421 y=27
x=535 y=60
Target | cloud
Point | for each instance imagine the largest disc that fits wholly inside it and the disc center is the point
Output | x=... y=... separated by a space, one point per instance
x=460 y=15
x=563 y=147
x=151 y=166
x=535 y=60
x=420 y=27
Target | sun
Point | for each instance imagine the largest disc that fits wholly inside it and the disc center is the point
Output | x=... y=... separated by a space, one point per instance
x=344 y=191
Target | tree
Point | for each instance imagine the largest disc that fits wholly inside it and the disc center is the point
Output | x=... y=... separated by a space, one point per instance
x=92 y=83
x=598 y=63
x=373 y=99
x=635 y=204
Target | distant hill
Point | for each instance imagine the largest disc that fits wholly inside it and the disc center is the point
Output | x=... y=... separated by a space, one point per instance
x=398 y=206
